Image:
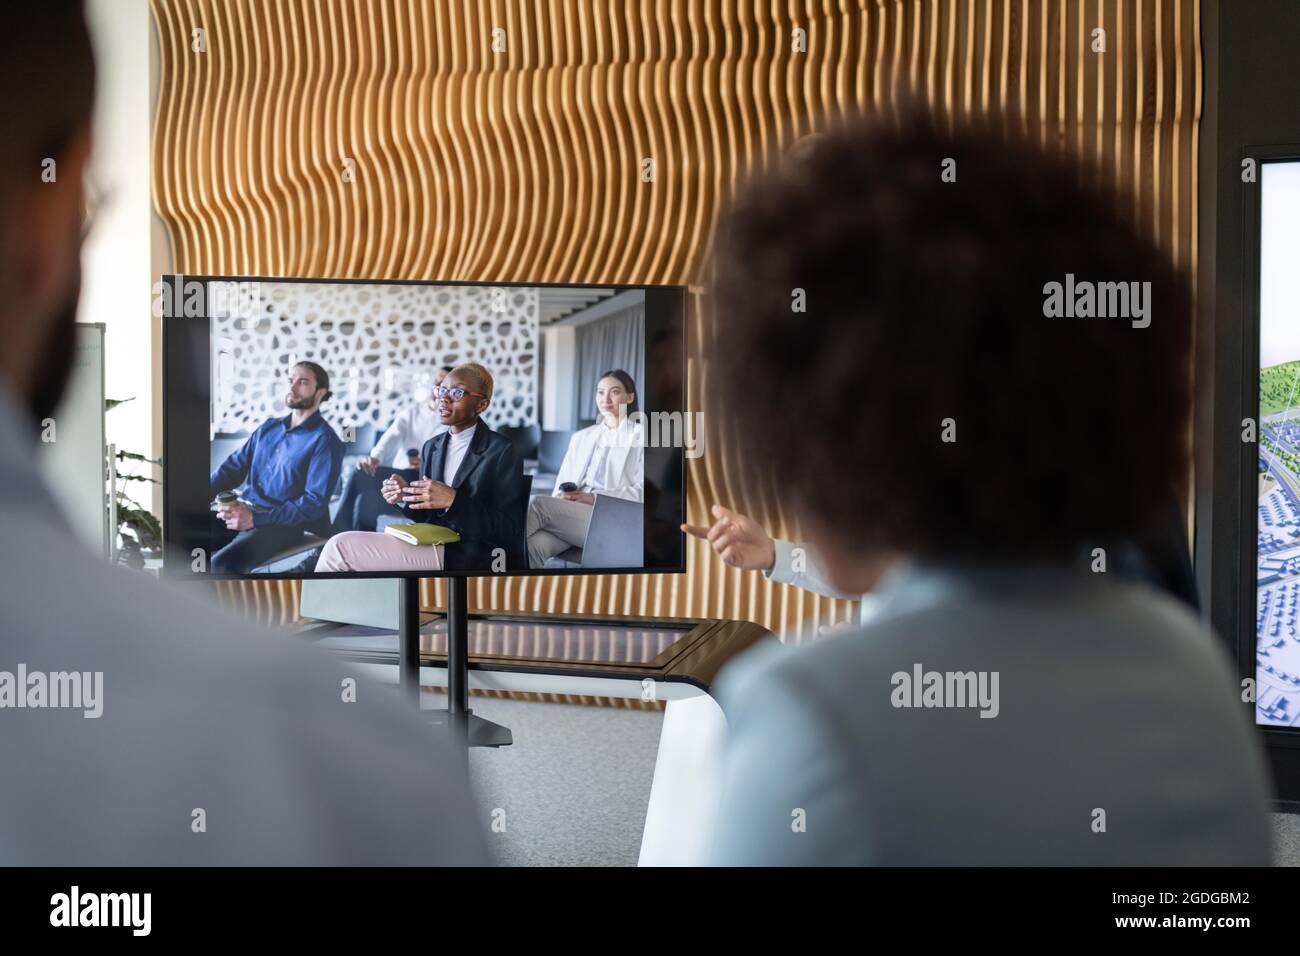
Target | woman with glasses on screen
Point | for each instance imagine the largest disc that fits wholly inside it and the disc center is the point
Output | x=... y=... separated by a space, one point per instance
x=470 y=482
x=604 y=459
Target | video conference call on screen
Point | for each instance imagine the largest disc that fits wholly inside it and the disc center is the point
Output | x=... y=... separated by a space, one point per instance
x=384 y=429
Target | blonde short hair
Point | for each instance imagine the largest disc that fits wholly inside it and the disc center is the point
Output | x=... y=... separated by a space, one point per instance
x=477 y=374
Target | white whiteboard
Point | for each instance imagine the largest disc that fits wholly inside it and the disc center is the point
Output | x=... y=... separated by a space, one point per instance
x=75 y=463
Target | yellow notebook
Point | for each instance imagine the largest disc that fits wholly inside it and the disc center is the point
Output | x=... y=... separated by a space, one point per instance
x=420 y=533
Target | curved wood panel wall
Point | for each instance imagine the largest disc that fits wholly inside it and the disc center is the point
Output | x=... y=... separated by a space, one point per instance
x=524 y=164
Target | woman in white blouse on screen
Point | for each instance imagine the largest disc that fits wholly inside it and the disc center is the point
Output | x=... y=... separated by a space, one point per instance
x=606 y=458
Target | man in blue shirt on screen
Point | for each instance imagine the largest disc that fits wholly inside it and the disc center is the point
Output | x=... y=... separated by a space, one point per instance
x=291 y=465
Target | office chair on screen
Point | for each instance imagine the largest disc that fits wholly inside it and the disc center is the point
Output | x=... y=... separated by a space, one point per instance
x=614 y=537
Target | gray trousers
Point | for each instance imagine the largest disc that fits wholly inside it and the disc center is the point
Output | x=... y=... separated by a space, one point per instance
x=555 y=525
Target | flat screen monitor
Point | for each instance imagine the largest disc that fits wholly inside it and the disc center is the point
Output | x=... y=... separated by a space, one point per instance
x=339 y=428
x=1277 y=585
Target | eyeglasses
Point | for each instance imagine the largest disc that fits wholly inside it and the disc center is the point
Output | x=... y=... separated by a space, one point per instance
x=456 y=393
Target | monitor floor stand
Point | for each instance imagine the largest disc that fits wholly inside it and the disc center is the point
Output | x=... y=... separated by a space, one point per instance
x=472 y=730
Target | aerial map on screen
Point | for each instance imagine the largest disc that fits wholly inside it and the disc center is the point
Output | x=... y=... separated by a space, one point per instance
x=1277 y=643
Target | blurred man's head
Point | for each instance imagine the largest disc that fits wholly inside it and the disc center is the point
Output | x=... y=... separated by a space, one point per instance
x=888 y=337
x=439 y=375
x=47 y=71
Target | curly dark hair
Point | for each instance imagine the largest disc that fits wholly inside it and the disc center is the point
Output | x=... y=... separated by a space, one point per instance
x=925 y=320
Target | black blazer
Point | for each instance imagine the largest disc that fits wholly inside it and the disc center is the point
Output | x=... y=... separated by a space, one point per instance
x=486 y=512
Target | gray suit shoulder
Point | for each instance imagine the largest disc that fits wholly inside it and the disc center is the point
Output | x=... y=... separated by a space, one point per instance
x=204 y=712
